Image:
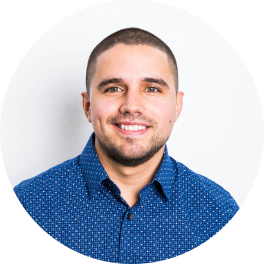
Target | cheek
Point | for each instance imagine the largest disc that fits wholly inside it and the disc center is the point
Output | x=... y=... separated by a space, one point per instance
x=102 y=109
x=165 y=114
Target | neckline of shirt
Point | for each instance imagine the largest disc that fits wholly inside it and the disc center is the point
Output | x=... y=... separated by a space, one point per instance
x=94 y=172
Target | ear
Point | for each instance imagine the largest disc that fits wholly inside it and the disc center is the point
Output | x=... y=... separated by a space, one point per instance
x=86 y=105
x=179 y=104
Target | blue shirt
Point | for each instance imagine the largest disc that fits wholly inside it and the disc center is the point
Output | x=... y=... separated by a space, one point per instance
x=78 y=205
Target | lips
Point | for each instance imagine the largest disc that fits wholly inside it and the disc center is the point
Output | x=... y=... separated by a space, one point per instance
x=132 y=128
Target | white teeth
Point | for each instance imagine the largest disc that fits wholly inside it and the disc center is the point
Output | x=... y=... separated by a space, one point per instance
x=132 y=127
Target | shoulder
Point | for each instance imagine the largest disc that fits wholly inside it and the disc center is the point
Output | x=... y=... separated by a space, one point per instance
x=199 y=189
x=207 y=206
x=49 y=182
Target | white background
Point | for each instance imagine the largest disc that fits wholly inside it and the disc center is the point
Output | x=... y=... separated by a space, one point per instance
x=220 y=130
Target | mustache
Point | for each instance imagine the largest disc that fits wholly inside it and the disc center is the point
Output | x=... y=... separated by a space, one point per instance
x=130 y=117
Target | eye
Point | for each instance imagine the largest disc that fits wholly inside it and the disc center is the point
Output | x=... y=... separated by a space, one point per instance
x=152 y=89
x=113 y=89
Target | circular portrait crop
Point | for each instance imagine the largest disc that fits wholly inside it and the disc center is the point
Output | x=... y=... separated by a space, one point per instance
x=135 y=139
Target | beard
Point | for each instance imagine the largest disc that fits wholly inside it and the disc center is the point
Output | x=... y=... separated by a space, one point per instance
x=131 y=153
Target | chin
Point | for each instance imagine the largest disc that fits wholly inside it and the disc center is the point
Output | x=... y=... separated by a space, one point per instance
x=131 y=154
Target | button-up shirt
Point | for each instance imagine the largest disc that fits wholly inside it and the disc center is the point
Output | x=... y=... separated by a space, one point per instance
x=80 y=206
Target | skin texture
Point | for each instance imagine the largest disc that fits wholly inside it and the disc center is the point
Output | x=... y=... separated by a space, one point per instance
x=133 y=96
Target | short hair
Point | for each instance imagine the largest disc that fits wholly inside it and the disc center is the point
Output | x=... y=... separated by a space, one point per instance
x=129 y=36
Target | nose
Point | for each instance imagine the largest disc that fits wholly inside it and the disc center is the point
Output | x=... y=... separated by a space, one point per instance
x=132 y=103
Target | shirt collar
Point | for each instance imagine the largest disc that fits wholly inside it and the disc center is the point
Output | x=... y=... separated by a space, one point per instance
x=95 y=174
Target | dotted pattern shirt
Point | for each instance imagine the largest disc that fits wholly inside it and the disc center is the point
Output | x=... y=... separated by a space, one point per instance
x=78 y=205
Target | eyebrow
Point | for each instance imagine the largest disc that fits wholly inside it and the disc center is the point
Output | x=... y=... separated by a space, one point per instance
x=158 y=81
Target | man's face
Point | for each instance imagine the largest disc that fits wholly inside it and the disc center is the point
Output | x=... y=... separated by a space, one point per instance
x=132 y=103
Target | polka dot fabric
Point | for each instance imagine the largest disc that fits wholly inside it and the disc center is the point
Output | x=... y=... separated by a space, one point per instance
x=78 y=205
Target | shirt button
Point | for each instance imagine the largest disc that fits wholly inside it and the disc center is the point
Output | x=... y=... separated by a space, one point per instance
x=129 y=216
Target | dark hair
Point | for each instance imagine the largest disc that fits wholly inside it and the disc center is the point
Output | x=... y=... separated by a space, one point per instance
x=129 y=36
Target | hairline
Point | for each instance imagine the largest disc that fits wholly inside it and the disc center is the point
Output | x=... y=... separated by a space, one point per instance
x=130 y=36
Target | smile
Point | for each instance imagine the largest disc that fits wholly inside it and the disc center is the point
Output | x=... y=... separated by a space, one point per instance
x=131 y=129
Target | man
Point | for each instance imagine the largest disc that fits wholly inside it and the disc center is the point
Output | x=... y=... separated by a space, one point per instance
x=124 y=199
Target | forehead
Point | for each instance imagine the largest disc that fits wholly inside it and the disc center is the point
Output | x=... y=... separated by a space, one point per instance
x=122 y=50
x=133 y=61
